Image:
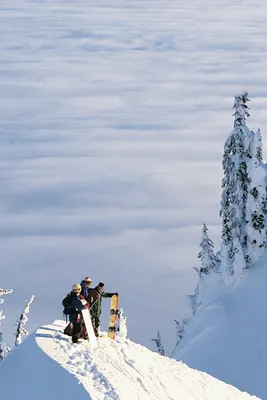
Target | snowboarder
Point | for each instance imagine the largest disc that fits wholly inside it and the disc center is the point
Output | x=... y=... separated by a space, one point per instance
x=85 y=284
x=95 y=299
x=78 y=303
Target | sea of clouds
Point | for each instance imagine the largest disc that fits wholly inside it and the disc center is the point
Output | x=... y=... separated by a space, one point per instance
x=113 y=120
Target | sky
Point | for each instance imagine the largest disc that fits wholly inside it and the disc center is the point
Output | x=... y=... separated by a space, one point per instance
x=113 y=117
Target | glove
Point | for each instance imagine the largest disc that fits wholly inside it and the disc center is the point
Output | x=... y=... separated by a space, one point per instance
x=87 y=306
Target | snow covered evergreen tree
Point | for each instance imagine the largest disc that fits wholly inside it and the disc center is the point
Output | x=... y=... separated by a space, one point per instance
x=243 y=204
x=235 y=186
x=218 y=260
x=159 y=345
x=180 y=329
x=256 y=204
x=123 y=326
x=209 y=264
x=206 y=254
x=21 y=331
x=192 y=300
x=3 y=348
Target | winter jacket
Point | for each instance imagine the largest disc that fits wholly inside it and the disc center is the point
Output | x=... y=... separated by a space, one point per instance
x=85 y=290
x=77 y=302
x=95 y=301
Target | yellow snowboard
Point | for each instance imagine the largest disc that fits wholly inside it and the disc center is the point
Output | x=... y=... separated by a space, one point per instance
x=114 y=314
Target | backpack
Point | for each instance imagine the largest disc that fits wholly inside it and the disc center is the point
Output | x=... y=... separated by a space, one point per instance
x=67 y=304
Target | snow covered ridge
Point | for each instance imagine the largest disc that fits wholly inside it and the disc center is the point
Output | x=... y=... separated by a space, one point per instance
x=47 y=366
x=228 y=337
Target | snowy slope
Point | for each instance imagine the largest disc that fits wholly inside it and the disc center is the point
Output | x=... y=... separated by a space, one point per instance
x=228 y=338
x=118 y=369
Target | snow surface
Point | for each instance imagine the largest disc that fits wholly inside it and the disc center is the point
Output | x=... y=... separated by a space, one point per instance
x=227 y=338
x=117 y=369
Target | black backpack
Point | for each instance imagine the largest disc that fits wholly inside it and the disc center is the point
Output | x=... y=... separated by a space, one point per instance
x=67 y=304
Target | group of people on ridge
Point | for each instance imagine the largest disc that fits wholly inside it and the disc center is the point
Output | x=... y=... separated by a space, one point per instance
x=84 y=297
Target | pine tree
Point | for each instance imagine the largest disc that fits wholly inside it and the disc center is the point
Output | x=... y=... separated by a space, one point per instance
x=218 y=259
x=193 y=301
x=21 y=331
x=3 y=348
x=180 y=329
x=243 y=205
x=123 y=326
x=206 y=254
x=235 y=192
x=159 y=345
x=256 y=204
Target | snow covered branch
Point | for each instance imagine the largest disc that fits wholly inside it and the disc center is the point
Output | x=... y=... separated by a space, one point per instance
x=180 y=328
x=4 y=291
x=122 y=325
x=21 y=331
x=241 y=109
x=160 y=348
x=3 y=348
x=192 y=300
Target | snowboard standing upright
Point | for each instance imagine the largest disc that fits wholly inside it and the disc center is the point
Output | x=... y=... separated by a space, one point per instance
x=89 y=328
x=114 y=317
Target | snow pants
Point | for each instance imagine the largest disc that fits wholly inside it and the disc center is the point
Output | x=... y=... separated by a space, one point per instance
x=77 y=331
x=96 y=325
x=78 y=327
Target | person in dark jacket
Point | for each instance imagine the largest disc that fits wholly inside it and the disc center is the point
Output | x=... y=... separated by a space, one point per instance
x=95 y=303
x=75 y=317
x=85 y=284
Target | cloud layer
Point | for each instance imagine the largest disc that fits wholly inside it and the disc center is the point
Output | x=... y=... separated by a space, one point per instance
x=113 y=120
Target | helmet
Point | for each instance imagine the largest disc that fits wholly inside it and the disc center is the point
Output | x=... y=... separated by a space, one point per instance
x=76 y=287
x=87 y=279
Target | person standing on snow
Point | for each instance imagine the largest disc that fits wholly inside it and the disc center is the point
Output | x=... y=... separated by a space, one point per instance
x=95 y=302
x=85 y=284
x=78 y=303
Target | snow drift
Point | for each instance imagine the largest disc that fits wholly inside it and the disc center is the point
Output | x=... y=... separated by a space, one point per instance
x=47 y=366
x=227 y=338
